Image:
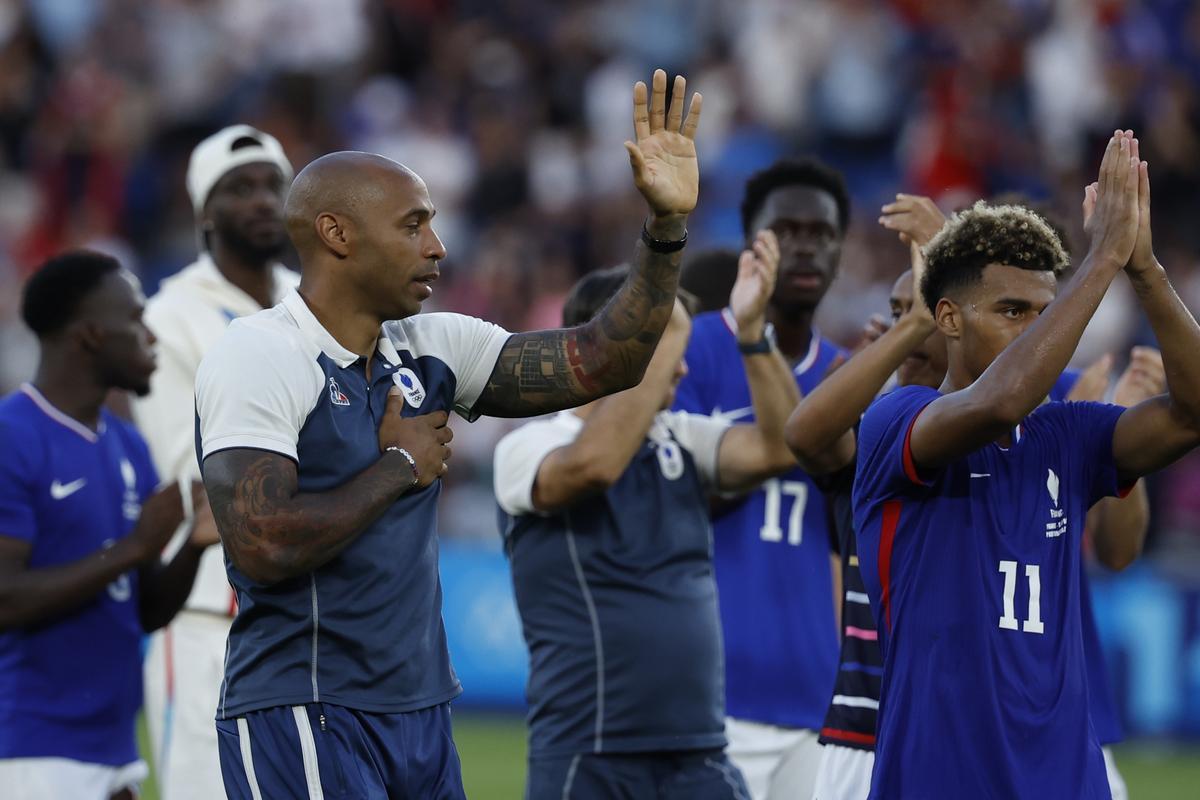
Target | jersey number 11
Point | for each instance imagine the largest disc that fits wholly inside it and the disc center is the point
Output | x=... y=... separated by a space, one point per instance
x=1033 y=624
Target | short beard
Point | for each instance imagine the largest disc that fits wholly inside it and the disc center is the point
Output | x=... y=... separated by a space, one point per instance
x=250 y=252
x=794 y=309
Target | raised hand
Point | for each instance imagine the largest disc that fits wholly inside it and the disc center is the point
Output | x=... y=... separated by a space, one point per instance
x=1092 y=382
x=426 y=438
x=1113 y=223
x=758 y=268
x=916 y=219
x=1145 y=377
x=665 y=169
x=1142 y=259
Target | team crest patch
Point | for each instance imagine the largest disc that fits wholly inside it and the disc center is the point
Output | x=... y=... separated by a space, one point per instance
x=336 y=395
x=410 y=385
x=1057 y=525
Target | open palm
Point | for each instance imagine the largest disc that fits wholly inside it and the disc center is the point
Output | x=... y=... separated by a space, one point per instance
x=665 y=169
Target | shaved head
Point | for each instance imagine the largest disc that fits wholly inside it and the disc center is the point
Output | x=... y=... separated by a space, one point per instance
x=363 y=228
x=347 y=185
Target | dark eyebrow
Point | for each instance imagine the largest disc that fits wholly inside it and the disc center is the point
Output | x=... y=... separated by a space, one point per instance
x=420 y=213
x=1009 y=302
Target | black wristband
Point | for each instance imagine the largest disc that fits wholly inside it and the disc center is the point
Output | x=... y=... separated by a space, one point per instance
x=763 y=345
x=660 y=245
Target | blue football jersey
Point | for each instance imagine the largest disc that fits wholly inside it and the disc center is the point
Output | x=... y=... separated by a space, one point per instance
x=771 y=550
x=72 y=687
x=973 y=576
x=1100 y=691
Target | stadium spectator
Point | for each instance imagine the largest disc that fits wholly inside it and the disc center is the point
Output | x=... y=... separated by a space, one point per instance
x=771 y=547
x=81 y=529
x=326 y=491
x=604 y=514
x=237 y=179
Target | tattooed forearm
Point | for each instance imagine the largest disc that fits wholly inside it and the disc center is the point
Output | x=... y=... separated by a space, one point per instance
x=273 y=532
x=545 y=371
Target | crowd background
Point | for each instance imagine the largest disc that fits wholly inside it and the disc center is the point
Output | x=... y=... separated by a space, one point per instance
x=514 y=112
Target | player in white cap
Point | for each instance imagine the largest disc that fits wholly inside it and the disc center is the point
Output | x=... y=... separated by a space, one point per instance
x=237 y=179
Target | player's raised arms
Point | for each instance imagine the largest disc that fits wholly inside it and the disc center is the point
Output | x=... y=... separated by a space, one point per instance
x=1037 y=336
x=548 y=370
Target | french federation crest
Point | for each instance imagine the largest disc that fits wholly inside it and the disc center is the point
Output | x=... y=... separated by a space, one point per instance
x=410 y=386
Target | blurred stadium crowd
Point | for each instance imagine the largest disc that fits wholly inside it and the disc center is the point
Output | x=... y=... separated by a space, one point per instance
x=514 y=112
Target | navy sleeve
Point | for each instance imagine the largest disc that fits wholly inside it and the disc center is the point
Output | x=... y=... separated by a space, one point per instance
x=885 y=464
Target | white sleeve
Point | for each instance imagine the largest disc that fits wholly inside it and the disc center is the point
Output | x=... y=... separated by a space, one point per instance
x=255 y=388
x=701 y=435
x=469 y=346
x=519 y=456
x=166 y=417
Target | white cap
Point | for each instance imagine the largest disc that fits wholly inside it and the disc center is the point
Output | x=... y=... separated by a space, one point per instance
x=216 y=156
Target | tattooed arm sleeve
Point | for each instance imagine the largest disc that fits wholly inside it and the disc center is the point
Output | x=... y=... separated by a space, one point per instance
x=273 y=532
x=545 y=371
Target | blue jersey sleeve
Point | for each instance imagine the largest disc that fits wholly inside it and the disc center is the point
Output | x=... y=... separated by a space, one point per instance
x=17 y=491
x=885 y=464
x=1086 y=429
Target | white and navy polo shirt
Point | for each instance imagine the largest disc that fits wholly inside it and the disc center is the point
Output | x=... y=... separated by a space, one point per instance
x=364 y=630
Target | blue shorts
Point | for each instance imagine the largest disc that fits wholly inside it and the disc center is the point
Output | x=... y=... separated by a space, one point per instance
x=685 y=775
x=331 y=752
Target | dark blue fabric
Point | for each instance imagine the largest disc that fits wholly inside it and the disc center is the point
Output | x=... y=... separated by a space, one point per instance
x=777 y=607
x=703 y=775
x=72 y=687
x=1100 y=690
x=971 y=661
x=364 y=630
x=619 y=609
x=359 y=755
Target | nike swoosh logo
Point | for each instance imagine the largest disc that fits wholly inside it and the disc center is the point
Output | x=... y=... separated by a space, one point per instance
x=732 y=414
x=981 y=474
x=60 y=491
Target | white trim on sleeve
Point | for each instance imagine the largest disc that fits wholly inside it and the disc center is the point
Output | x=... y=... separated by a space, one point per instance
x=520 y=454
x=469 y=346
x=701 y=436
x=257 y=385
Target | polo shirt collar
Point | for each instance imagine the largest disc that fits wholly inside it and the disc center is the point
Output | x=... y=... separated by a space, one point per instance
x=314 y=331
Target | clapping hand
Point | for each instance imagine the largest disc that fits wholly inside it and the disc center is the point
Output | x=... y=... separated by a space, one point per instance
x=758 y=267
x=1145 y=377
x=916 y=219
x=1112 y=205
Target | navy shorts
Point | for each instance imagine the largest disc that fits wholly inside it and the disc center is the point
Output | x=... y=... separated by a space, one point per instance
x=686 y=775
x=325 y=751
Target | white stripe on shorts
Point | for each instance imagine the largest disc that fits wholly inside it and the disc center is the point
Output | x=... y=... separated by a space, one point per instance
x=308 y=752
x=248 y=758
x=855 y=702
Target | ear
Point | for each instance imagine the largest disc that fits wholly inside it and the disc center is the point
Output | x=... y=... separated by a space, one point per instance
x=949 y=318
x=86 y=335
x=332 y=232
